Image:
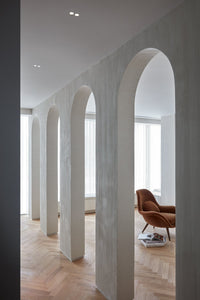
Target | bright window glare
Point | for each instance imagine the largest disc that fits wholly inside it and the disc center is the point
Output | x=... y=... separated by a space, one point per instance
x=90 y=157
x=155 y=157
x=24 y=164
x=90 y=148
x=148 y=156
x=140 y=156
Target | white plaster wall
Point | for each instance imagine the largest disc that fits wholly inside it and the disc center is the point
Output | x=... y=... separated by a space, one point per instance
x=168 y=160
x=52 y=171
x=155 y=95
x=90 y=204
x=175 y=35
x=77 y=172
x=35 y=166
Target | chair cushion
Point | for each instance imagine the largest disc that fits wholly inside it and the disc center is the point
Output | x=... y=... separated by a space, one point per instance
x=150 y=206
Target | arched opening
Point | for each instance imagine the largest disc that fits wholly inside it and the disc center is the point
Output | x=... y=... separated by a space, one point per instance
x=142 y=71
x=155 y=130
x=90 y=179
x=52 y=171
x=35 y=192
x=90 y=154
x=82 y=122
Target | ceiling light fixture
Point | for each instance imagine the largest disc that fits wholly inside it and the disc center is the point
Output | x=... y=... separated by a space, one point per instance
x=36 y=66
x=72 y=13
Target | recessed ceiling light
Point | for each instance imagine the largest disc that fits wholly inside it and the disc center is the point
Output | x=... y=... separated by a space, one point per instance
x=36 y=66
x=71 y=13
x=76 y=15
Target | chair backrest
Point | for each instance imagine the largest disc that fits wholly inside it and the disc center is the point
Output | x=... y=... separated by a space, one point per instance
x=145 y=195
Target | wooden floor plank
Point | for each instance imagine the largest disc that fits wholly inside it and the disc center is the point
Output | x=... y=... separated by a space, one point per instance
x=46 y=274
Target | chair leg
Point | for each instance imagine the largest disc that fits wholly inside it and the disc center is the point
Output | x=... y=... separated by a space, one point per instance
x=145 y=227
x=168 y=234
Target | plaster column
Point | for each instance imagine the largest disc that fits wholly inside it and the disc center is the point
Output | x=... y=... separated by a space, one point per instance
x=52 y=171
x=35 y=188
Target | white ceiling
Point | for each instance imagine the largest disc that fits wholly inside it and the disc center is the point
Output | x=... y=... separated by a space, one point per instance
x=64 y=45
x=155 y=95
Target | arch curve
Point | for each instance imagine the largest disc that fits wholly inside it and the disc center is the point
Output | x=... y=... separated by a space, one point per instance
x=126 y=101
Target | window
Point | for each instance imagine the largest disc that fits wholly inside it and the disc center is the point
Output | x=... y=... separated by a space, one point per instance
x=148 y=156
x=24 y=164
x=90 y=157
x=90 y=148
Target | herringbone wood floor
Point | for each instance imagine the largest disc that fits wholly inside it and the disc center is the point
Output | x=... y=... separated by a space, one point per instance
x=47 y=274
x=154 y=267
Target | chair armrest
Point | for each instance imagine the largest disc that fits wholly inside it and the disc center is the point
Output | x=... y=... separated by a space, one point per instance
x=167 y=209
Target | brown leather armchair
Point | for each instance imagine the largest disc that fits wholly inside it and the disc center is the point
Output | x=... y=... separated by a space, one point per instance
x=153 y=213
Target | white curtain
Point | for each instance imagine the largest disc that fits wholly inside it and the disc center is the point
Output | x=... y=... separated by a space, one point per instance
x=90 y=157
x=155 y=157
x=24 y=164
x=148 y=156
x=140 y=156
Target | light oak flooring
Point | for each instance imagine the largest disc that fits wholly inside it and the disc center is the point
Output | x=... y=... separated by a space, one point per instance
x=154 y=267
x=47 y=274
